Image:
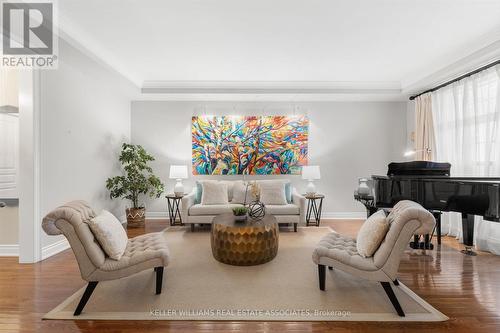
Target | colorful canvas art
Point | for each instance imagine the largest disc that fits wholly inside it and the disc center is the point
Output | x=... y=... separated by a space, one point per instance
x=253 y=145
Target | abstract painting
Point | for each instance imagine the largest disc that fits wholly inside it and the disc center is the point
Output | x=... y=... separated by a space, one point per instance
x=252 y=145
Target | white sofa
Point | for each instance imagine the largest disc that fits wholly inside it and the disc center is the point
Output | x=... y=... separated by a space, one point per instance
x=293 y=213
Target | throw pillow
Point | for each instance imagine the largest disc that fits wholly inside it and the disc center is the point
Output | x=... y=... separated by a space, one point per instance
x=110 y=234
x=273 y=193
x=288 y=192
x=214 y=193
x=199 y=191
x=371 y=234
x=229 y=186
x=239 y=190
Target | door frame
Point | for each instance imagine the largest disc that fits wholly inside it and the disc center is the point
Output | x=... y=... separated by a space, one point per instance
x=29 y=166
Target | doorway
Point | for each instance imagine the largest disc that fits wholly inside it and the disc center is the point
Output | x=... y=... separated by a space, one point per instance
x=9 y=162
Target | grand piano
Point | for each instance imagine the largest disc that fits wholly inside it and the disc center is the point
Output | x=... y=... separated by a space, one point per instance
x=430 y=184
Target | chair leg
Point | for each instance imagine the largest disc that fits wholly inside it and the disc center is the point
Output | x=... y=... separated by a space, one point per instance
x=85 y=297
x=159 y=279
x=330 y=267
x=392 y=298
x=322 y=276
x=295 y=227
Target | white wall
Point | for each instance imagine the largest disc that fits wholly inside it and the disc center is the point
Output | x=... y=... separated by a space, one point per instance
x=9 y=225
x=85 y=116
x=347 y=139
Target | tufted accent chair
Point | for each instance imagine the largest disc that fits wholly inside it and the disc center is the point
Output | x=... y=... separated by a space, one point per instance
x=142 y=252
x=406 y=219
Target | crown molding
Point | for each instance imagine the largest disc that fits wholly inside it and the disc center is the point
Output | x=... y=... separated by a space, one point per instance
x=477 y=53
x=487 y=50
x=270 y=87
x=232 y=97
x=271 y=91
x=81 y=41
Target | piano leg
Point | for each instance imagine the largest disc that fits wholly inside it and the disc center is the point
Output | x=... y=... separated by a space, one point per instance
x=427 y=242
x=437 y=216
x=425 y=245
x=468 y=233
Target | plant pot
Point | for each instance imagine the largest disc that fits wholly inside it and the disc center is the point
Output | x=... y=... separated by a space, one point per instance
x=136 y=217
x=240 y=218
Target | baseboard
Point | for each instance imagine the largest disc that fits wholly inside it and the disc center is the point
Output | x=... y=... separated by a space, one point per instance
x=344 y=215
x=10 y=250
x=326 y=215
x=156 y=215
x=123 y=219
x=55 y=248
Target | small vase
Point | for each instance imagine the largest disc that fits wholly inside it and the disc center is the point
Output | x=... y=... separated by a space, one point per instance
x=363 y=188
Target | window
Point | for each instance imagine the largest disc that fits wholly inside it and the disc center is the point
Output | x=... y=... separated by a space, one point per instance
x=467 y=127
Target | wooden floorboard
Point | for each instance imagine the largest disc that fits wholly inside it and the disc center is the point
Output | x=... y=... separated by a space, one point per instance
x=466 y=289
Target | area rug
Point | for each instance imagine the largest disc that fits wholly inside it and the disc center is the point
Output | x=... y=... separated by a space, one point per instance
x=197 y=287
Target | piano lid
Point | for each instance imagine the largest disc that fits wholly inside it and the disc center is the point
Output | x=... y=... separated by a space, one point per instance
x=418 y=168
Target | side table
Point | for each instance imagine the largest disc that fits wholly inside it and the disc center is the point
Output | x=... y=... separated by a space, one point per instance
x=368 y=201
x=314 y=208
x=174 y=213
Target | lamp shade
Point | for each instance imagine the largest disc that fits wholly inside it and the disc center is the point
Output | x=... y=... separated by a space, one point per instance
x=178 y=172
x=311 y=172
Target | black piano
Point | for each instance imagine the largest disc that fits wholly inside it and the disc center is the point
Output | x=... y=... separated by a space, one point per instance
x=430 y=184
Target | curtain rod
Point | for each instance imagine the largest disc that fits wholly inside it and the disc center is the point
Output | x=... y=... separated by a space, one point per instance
x=457 y=79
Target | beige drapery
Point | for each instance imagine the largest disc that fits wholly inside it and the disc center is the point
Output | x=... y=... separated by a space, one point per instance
x=425 y=145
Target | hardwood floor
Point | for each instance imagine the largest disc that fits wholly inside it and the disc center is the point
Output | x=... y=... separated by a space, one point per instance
x=466 y=289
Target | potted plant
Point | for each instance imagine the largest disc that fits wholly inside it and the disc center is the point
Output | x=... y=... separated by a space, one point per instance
x=240 y=213
x=137 y=179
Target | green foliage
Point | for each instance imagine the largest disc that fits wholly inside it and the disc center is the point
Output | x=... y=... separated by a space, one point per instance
x=137 y=179
x=240 y=211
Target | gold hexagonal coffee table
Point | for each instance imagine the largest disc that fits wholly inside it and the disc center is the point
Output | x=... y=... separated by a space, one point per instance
x=244 y=243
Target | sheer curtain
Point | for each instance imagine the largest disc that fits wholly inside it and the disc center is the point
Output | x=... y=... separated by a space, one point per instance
x=467 y=132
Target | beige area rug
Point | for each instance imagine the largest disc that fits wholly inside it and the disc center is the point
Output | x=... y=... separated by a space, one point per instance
x=197 y=287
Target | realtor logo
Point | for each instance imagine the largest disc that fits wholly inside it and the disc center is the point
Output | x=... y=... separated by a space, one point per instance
x=28 y=38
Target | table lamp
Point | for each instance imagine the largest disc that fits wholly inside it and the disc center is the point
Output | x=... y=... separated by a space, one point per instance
x=178 y=172
x=311 y=173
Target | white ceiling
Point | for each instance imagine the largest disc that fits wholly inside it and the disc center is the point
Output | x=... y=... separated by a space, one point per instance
x=391 y=43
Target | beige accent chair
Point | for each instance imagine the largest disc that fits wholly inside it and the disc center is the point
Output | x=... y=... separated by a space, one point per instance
x=406 y=219
x=142 y=252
